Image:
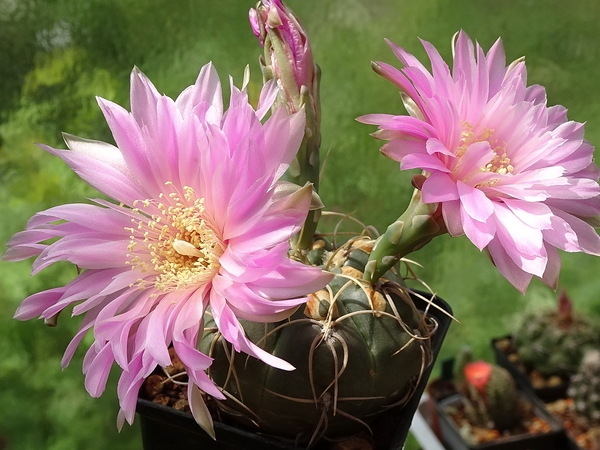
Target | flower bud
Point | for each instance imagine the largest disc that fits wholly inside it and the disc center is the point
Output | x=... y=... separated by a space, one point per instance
x=288 y=56
x=288 y=60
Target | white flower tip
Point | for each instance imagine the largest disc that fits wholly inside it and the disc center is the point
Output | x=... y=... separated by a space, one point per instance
x=411 y=107
x=514 y=64
x=273 y=18
x=246 y=79
x=52 y=321
x=315 y=201
x=123 y=417
x=200 y=411
x=284 y=365
x=293 y=196
x=454 y=40
x=67 y=136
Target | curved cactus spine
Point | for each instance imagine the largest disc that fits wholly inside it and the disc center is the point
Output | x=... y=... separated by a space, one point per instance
x=358 y=349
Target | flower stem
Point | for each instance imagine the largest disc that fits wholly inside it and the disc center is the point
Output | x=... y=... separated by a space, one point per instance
x=417 y=226
x=306 y=167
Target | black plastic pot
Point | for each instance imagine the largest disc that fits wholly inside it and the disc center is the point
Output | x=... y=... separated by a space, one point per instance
x=547 y=394
x=163 y=427
x=556 y=439
x=572 y=445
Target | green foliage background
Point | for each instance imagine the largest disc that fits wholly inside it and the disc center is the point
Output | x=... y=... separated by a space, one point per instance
x=56 y=55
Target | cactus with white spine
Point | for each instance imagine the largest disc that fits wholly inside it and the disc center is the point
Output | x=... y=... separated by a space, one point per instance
x=584 y=389
x=360 y=346
x=553 y=341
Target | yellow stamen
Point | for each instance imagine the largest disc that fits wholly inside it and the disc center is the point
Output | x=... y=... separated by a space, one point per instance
x=500 y=164
x=178 y=242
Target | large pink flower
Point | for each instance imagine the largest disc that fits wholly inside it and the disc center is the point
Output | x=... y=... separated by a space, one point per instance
x=512 y=174
x=201 y=220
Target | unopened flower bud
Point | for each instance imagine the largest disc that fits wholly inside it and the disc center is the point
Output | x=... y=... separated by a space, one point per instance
x=288 y=56
x=289 y=61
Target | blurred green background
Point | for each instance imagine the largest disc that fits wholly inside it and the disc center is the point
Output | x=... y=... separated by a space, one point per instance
x=56 y=55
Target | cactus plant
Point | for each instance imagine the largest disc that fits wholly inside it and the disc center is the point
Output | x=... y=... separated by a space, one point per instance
x=553 y=341
x=584 y=389
x=357 y=351
x=200 y=218
x=490 y=393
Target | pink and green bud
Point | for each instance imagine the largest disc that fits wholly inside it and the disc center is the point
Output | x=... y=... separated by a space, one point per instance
x=288 y=56
x=288 y=60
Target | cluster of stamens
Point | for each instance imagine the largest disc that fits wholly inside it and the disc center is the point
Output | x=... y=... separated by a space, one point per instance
x=173 y=238
x=500 y=164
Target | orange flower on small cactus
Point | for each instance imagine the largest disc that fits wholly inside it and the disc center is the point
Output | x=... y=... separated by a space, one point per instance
x=478 y=374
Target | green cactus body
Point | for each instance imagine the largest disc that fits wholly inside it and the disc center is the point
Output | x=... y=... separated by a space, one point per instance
x=584 y=389
x=354 y=358
x=553 y=342
x=490 y=396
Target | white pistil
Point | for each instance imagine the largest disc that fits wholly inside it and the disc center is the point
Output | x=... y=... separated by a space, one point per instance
x=186 y=249
x=173 y=237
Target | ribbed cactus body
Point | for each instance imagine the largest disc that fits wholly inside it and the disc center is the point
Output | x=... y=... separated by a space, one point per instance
x=351 y=361
x=584 y=389
x=489 y=392
x=491 y=396
x=552 y=342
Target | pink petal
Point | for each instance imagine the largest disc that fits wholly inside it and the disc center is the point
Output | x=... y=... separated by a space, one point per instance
x=588 y=240
x=233 y=332
x=141 y=162
x=98 y=371
x=424 y=162
x=550 y=277
x=400 y=148
x=37 y=303
x=435 y=146
x=515 y=275
x=100 y=175
x=479 y=233
x=250 y=304
x=205 y=92
x=439 y=187
x=451 y=211
x=474 y=202
x=291 y=279
x=522 y=243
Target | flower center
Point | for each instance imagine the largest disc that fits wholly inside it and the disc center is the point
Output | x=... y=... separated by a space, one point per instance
x=499 y=164
x=177 y=242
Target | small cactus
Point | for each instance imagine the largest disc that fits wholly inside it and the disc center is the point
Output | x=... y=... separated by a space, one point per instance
x=584 y=389
x=552 y=342
x=490 y=394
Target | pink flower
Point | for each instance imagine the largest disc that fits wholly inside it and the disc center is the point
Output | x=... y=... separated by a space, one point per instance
x=511 y=173
x=201 y=220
